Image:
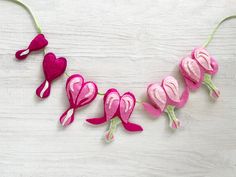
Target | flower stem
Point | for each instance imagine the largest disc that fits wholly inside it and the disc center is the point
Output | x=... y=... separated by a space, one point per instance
x=214 y=92
x=174 y=122
x=216 y=28
x=109 y=135
x=27 y=8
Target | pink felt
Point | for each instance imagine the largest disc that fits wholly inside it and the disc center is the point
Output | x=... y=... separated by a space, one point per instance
x=79 y=93
x=97 y=121
x=111 y=103
x=171 y=88
x=118 y=106
x=38 y=43
x=214 y=65
x=67 y=117
x=160 y=96
x=43 y=91
x=191 y=69
x=132 y=127
x=53 y=68
x=127 y=104
x=183 y=99
x=202 y=56
x=205 y=60
x=154 y=112
x=192 y=73
x=157 y=96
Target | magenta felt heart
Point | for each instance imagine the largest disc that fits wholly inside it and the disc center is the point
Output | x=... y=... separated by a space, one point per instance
x=53 y=68
x=79 y=93
x=38 y=43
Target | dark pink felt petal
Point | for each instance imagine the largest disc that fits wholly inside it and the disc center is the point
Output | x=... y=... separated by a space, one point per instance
x=96 y=121
x=132 y=127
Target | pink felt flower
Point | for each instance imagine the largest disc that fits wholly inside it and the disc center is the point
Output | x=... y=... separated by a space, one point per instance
x=79 y=93
x=198 y=69
x=166 y=97
x=39 y=42
x=117 y=109
x=53 y=68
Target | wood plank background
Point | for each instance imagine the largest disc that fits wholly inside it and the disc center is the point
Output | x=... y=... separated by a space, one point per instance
x=125 y=44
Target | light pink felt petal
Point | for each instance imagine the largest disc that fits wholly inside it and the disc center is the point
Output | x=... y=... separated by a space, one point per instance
x=132 y=127
x=157 y=96
x=154 y=112
x=191 y=69
x=97 y=121
x=87 y=94
x=171 y=88
x=203 y=58
x=67 y=117
x=127 y=104
x=73 y=87
x=111 y=103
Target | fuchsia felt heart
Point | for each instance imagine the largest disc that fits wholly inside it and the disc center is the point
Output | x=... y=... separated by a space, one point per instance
x=39 y=42
x=53 y=68
x=118 y=106
x=79 y=93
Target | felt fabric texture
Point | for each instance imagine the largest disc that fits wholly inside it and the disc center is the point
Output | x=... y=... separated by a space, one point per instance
x=116 y=105
x=53 y=68
x=198 y=68
x=79 y=93
x=163 y=96
x=38 y=43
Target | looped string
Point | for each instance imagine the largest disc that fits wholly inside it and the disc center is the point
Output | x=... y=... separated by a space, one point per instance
x=37 y=25
x=216 y=28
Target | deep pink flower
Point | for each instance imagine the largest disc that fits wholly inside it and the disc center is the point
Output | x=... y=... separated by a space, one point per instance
x=166 y=97
x=198 y=69
x=117 y=109
x=53 y=68
x=79 y=93
x=38 y=43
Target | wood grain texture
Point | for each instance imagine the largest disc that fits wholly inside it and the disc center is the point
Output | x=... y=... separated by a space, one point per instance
x=124 y=44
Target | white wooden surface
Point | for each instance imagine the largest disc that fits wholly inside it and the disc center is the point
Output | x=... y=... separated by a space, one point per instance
x=124 y=44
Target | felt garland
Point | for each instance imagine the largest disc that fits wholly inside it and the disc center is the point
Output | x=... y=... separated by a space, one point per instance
x=197 y=68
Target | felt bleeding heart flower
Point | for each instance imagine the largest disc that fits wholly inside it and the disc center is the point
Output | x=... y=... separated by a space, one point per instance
x=53 y=68
x=117 y=109
x=79 y=93
x=39 y=42
x=166 y=97
x=198 y=70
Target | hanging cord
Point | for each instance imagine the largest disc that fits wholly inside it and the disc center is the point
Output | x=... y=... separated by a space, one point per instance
x=36 y=23
x=216 y=28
